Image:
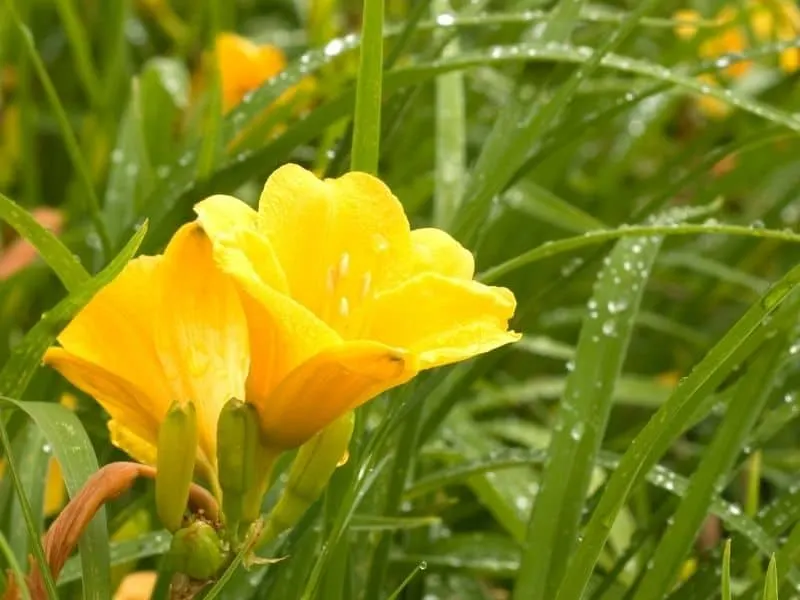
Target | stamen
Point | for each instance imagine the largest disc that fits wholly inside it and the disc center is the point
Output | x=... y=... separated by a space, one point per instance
x=344 y=307
x=366 y=284
x=331 y=279
x=344 y=264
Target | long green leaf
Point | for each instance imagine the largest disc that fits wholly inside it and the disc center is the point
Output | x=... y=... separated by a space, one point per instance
x=649 y=445
x=367 y=125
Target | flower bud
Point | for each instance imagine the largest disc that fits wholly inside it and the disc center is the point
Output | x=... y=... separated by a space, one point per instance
x=310 y=472
x=197 y=551
x=177 y=451
x=238 y=447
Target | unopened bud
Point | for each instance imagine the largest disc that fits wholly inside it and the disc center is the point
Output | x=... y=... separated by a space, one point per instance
x=310 y=472
x=177 y=451
x=197 y=551
x=237 y=456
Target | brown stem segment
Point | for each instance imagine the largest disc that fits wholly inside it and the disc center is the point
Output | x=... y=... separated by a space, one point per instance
x=108 y=483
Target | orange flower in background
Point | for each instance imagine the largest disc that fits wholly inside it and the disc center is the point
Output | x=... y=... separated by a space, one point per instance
x=343 y=300
x=764 y=20
x=244 y=66
x=20 y=253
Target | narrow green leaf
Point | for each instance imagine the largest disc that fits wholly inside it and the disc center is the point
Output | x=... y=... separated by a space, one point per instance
x=31 y=462
x=521 y=125
x=450 y=135
x=718 y=459
x=544 y=205
x=78 y=39
x=71 y=142
x=13 y=566
x=652 y=441
x=32 y=521
x=150 y=544
x=71 y=446
x=583 y=415
x=726 y=571
x=52 y=250
x=771 y=584
x=554 y=248
x=130 y=175
x=367 y=119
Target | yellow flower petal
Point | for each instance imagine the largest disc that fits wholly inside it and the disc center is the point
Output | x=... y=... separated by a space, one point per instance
x=201 y=333
x=136 y=447
x=283 y=333
x=122 y=399
x=687 y=28
x=790 y=60
x=443 y=320
x=137 y=586
x=434 y=250
x=327 y=386
x=115 y=332
x=356 y=227
x=55 y=494
x=230 y=222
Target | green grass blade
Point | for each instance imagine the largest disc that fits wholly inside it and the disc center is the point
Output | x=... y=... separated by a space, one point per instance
x=726 y=571
x=81 y=50
x=52 y=250
x=71 y=142
x=31 y=463
x=451 y=148
x=30 y=519
x=13 y=566
x=718 y=459
x=652 y=441
x=583 y=415
x=545 y=206
x=554 y=248
x=26 y=356
x=771 y=584
x=519 y=127
x=367 y=119
x=72 y=448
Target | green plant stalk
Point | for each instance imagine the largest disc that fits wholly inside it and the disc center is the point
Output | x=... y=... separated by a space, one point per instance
x=81 y=52
x=401 y=466
x=726 y=571
x=743 y=411
x=653 y=440
x=367 y=124
x=70 y=141
x=451 y=146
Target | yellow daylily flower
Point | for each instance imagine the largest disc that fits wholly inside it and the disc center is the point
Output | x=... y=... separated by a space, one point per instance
x=244 y=66
x=137 y=586
x=168 y=328
x=343 y=300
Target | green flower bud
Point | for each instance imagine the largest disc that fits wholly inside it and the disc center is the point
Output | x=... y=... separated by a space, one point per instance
x=177 y=451
x=197 y=551
x=237 y=448
x=310 y=472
